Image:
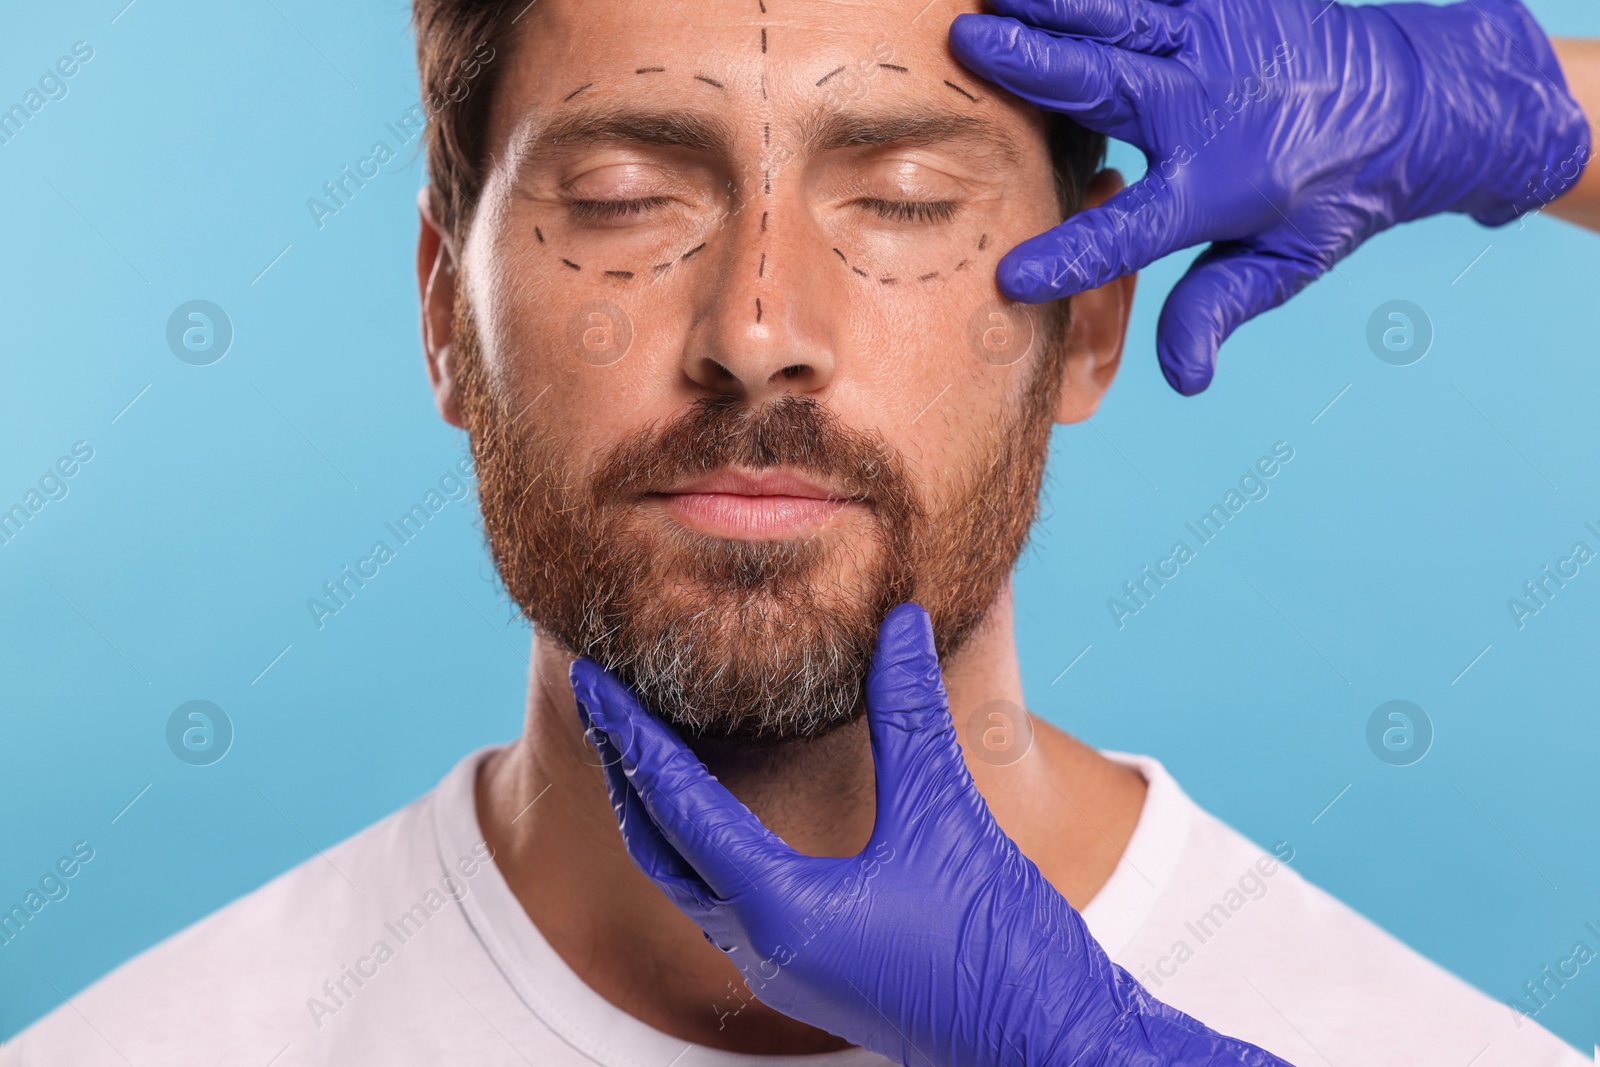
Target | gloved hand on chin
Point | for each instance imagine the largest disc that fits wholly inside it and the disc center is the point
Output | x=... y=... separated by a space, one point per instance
x=939 y=942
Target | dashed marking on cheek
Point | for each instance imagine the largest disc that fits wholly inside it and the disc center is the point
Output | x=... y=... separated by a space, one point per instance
x=659 y=267
x=983 y=242
x=887 y=281
x=840 y=254
x=691 y=251
x=571 y=264
x=625 y=275
x=928 y=277
x=714 y=83
x=835 y=71
x=894 y=67
x=859 y=271
x=539 y=234
x=960 y=90
x=962 y=265
x=575 y=92
x=650 y=70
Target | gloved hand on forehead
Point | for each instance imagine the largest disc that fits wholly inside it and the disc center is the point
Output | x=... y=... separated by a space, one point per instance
x=1284 y=132
x=939 y=943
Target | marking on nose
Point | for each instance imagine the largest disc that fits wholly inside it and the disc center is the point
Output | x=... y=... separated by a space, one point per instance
x=758 y=309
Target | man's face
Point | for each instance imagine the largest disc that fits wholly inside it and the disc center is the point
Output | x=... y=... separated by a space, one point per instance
x=728 y=344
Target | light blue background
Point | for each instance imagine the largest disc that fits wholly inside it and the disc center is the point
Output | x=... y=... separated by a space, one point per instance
x=179 y=566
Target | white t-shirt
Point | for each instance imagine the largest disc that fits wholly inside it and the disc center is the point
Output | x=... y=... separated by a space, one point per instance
x=403 y=945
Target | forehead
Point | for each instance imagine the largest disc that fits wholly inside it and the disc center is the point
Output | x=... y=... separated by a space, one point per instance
x=775 y=59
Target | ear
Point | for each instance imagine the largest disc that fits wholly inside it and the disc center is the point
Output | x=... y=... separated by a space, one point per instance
x=436 y=287
x=1099 y=324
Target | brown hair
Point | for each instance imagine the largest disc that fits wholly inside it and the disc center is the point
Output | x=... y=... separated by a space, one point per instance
x=454 y=37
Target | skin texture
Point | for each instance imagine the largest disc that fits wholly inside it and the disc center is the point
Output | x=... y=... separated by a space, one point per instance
x=1580 y=64
x=889 y=357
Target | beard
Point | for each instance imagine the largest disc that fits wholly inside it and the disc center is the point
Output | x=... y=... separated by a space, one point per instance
x=753 y=642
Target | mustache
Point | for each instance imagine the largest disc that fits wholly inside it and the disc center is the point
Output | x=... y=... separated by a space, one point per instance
x=790 y=431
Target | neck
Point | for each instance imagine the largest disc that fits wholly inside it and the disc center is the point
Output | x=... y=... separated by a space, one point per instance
x=1069 y=810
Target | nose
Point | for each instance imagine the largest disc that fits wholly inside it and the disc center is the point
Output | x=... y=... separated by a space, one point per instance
x=766 y=321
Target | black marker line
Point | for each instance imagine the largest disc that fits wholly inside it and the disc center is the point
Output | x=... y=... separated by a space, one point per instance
x=766 y=135
x=763 y=222
x=650 y=70
x=761 y=271
x=763 y=85
x=859 y=271
x=960 y=90
x=763 y=40
x=894 y=67
x=834 y=71
x=539 y=234
x=758 y=309
x=840 y=255
x=763 y=4
x=575 y=92
x=691 y=251
x=766 y=177
x=926 y=277
x=619 y=274
x=887 y=281
x=962 y=265
x=719 y=85
x=983 y=242
x=659 y=267
x=571 y=264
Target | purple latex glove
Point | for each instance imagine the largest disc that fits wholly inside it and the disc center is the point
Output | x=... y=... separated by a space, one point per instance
x=939 y=943
x=1285 y=132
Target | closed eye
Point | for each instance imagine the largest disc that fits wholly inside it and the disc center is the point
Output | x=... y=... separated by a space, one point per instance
x=911 y=210
x=604 y=210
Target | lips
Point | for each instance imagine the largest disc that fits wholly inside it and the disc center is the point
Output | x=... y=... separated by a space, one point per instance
x=763 y=505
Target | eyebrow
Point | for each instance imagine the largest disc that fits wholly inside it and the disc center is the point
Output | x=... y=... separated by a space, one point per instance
x=826 y=129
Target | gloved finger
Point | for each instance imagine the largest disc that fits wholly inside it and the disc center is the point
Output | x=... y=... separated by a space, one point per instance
x=914 y=747
x=1228 y=285
x=649 y=851
x=1129 y=231
x=708 y=826
x=1100 y=86
x=1139 y=25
